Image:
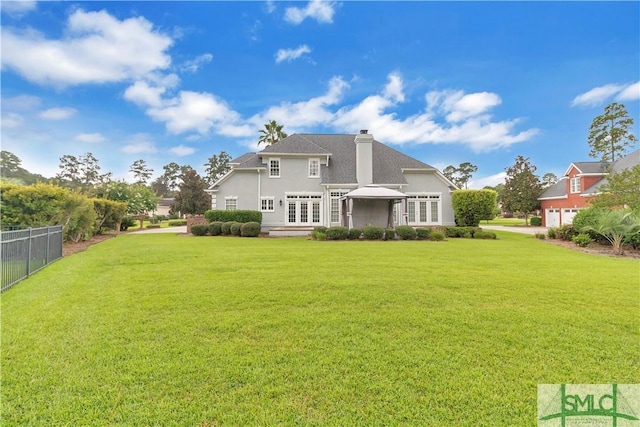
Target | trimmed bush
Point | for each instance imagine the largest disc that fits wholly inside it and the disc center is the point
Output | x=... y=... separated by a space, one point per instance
x=582 y=239
x=152 y=226
x=250 y=229
x=373 y=232
x=423 y=233
x=127 y=222
x=437 y=236
x=199 y=230
x=535 y=221
x=551 y=233
x=215 y=228
x=321 y=236
x=486 y=235
x=241 y=216
x=389 y=234
x=177 y=222
x=225 y=228
x=406 y=232
x=354 y=234
x=318 y=230
x=235 y=228
x=466 y=232
x=337 y=233
x=472 y=206
x=540 y=236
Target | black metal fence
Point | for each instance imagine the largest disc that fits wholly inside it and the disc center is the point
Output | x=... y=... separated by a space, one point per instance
x=26 y=251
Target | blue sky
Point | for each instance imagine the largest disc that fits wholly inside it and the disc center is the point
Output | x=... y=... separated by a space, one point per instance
x=446 y=83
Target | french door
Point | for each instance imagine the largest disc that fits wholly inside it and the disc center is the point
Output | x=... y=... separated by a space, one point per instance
x=304 y=210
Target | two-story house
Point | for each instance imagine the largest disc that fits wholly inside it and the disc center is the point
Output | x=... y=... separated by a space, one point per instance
x=577 y=188
x=307 y=180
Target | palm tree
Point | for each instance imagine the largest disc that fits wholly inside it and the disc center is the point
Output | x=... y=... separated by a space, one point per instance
x=271 y=133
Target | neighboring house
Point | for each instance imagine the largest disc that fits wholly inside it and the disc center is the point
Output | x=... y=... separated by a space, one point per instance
x=577 y=188
x=164 y=205
x=308 y=180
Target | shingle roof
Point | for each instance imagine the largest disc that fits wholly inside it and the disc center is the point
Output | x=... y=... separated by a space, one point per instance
x=628 y=161
x=387 y=162
x=559 y=189
x=592 y=167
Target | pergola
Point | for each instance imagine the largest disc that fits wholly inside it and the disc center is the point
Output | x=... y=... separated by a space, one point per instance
x=374 y=192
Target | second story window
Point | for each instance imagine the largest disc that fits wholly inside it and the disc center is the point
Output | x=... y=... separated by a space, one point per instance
x=274 y=168
x=575 y=185
x=314 y=168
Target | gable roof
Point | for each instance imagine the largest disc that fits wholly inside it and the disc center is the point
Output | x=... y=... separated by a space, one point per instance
x=589 y=167
x=556 y=191
x=629 y=161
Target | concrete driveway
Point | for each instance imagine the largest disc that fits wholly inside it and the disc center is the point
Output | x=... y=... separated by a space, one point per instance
x=175 y=230
x=521 y=230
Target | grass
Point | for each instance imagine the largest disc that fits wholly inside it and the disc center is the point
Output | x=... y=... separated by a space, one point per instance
x=508 y=222
x=174 y=330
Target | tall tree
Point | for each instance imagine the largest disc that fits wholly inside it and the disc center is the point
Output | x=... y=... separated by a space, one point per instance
x=271 y=133
x=216 y=167
x=171 y=175
x=140 y=199
x=191 y=199
x=621 y=189
x=522 y=188
x=141 y=172
x=610 y=133
x=11 y=170
x=548 y=179
x=460 y=175
x=70 y=171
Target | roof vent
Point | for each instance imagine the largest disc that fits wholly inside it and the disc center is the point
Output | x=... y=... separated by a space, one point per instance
x=364 y=131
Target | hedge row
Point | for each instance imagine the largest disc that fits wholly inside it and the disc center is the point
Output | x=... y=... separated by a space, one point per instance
x=228 y=228
x=402 y=232
x=241 y=216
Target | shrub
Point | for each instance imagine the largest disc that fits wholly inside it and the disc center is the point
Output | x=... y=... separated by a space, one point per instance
x=373 y=232
x=199 y=230
x=153 y=226
x=215 y=228
x=318 y=230
x=173 y=216
x=337 y=233
x=551 y=233
x=633 y=240
x=566 y=232
x=437 y=236
x=423 y=233
x=127 y=222
x=235 y=228
x=465 y=232
x=389 y=234
x=472 y=206
x=582 y=239
x=535 y=221
x=540 y=236
x=406 y=232
x=354 y=234
x=485 y=235
x=321 y=236
x=250 y=229
x=586 y=220
x=177 y=222
x=225 y=228
x=233 y=216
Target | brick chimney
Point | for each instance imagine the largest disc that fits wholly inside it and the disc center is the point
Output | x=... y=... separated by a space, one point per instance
x=364 y=158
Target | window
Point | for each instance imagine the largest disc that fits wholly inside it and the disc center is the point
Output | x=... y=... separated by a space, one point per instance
x=336 y=208
x=314 y=168
x=575 y=185
x=231 y=203
x=266 y=204
x=274 y=168
x=423 y=209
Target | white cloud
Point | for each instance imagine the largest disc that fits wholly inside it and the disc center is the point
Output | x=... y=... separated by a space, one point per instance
x=182 y=150
x=491 y=181
x=291 y=54
x=97 y=48
x=90 y=138
x=596 y=96
x=57 y=113
x=193 y=65
x=466 y=119
x=630 y=93
x=142 y=94
x=321 y=11
x=138 y=144
x=271 y=6
x=11 y=120
x=17 y=7
x=21 y=102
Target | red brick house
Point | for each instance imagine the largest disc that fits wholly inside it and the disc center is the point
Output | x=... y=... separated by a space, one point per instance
x=577 y=187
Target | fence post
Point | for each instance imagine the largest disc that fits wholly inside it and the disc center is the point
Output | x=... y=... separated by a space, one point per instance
x=48 y=239
x=29 y=253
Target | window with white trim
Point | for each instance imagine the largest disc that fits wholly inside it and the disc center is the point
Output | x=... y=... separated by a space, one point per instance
x=423 y=209
x=314 y=168
x=266 y=204
x=575 y=185
x=231 y=203
x=274 y=168
x=335 y=205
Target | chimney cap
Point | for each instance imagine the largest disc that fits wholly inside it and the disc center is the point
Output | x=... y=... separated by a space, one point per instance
x=364 y=131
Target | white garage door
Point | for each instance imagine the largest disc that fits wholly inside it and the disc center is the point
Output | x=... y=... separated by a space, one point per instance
x=552 y=217
x=568 y=214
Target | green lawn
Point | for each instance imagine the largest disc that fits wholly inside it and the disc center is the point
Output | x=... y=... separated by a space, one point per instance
x=211 y=331
x=504 y=221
